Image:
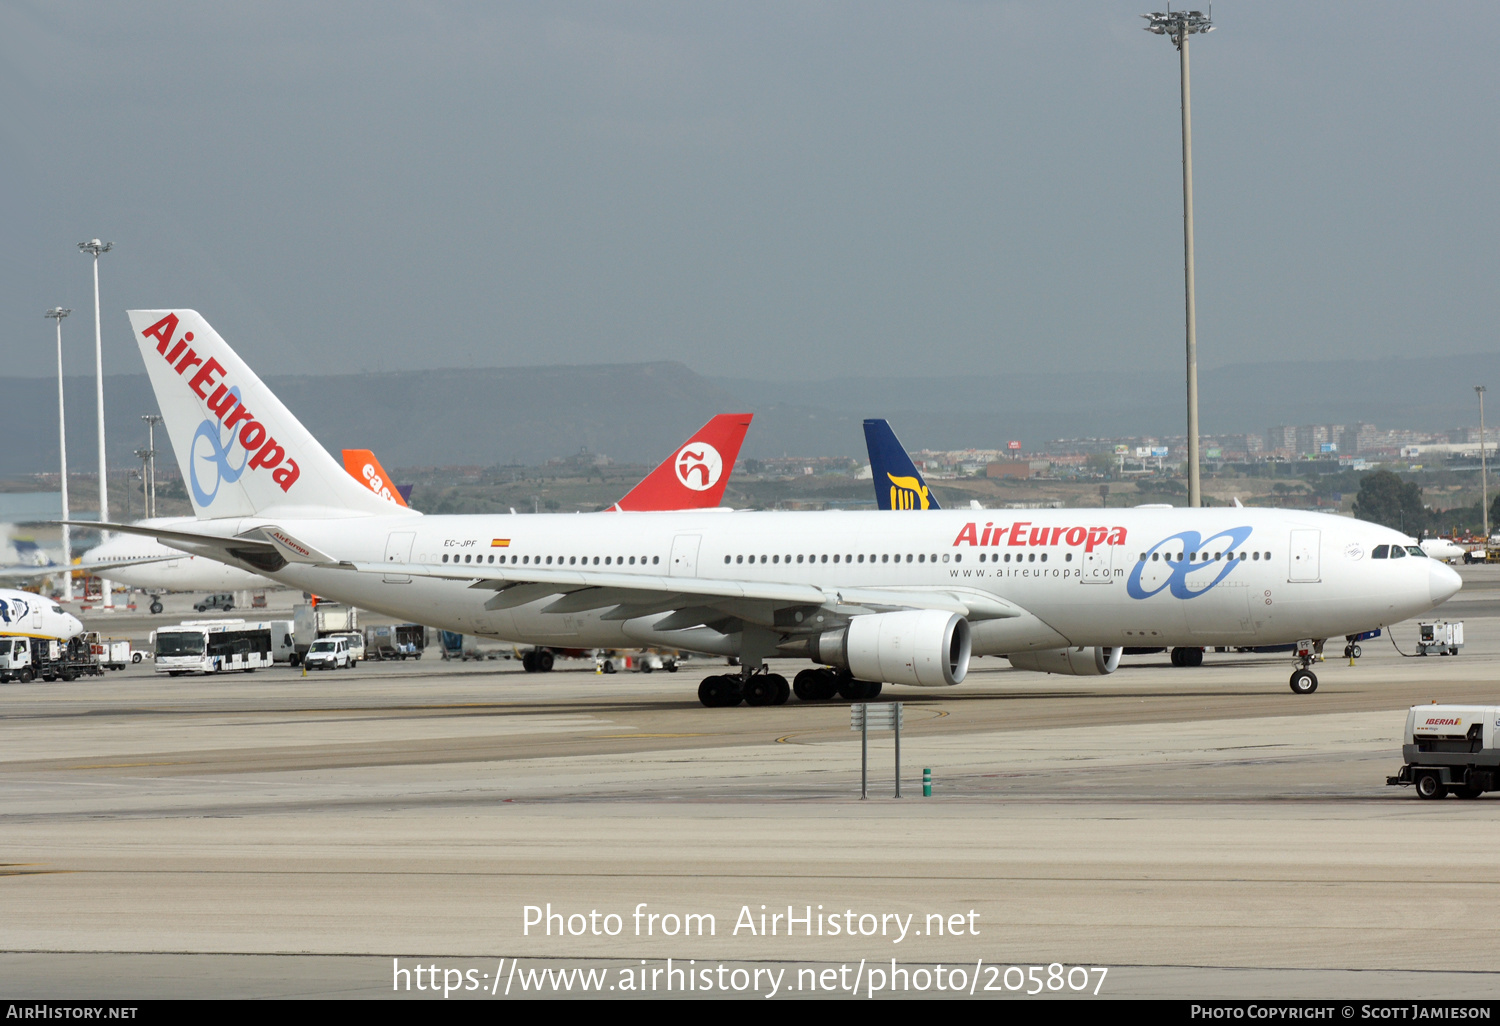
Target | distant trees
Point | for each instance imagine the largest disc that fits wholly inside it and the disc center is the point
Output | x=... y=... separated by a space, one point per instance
x=1386 y=499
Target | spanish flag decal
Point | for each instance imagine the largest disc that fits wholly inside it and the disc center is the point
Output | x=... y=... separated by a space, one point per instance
x=500 y=543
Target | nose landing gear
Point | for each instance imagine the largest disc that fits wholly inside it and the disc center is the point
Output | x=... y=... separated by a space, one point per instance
x=1304 y=681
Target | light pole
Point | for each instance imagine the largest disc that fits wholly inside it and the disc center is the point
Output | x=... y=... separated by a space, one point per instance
x=1178 y=26
x=152 y=419
x=145 y=456
x=96 y=247
x=1484 y=473
x=57 y=313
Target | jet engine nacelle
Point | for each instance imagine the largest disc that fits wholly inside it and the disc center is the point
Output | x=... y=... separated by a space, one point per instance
x=1092 y=661
x=925 y=647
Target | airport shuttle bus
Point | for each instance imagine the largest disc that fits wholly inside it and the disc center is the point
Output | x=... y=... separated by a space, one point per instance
x=215 y=646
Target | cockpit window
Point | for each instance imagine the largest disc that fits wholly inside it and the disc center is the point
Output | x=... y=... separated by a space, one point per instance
x=1381 y=552
x=57 y=609
x=1415 y=550
x=1397 y=552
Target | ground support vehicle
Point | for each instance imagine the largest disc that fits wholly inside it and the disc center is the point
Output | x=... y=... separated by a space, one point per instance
x=28 y=659
x=318 y=620
x=395 y=641
x=331 y=653
x=116 y=655
x=223 y=602
x=354 y=641
x=212 y=646
x=468 y=646
x=1450 y=748
x=1443 y=637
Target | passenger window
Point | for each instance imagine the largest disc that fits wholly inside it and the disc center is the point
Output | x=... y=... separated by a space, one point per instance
x=958 y=557
x=861 y=557
x=632 y=561
x=908 y=557
x=776 y=559
x=1044 y=557
x=885 y=557
x=1007 y=557
x=1031 y=557
x=655 y=559
x=922 y=558
x=1155 y=556
x=739 y=559
x=825 y=558
x=799 y=559
x=1397 y=552
x=445 y=557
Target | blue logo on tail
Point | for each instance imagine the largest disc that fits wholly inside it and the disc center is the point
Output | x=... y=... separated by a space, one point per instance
x=1177 y=577
x=216 y=456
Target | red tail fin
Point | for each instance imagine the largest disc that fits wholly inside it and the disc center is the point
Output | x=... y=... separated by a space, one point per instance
x=366 y=469
x=695 y=475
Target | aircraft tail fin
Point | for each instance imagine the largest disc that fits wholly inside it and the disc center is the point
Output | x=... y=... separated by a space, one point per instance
x=366 y=469
x=898 y=483
x=241 y=452
x=695 y=475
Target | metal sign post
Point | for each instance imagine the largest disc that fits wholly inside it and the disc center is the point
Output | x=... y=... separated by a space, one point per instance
x=864 y=718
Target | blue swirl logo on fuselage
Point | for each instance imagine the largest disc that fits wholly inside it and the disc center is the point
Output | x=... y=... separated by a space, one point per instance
x=13 y=610
x=1189 y=542
x=216 y=456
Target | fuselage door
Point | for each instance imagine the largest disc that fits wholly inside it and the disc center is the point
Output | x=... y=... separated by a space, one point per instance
x=398 y=551
x=1098 y=566
x=685 y=555
x=1303 y=556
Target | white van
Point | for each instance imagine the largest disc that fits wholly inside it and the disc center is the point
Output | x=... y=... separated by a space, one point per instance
x=328 y=654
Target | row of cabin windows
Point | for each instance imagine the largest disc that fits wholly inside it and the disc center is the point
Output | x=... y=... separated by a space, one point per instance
x=561 y=560
x=920 y=557
x=1380 y=551
x=1204 y=557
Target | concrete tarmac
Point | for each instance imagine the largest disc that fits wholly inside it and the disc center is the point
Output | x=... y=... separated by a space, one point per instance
x=1200 y=833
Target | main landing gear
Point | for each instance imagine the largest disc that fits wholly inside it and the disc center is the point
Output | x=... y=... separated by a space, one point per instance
x=538 y=660
x=1187 y=657
x=765 y=688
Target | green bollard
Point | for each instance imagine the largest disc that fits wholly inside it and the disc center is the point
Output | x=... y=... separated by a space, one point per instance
x=927 y=783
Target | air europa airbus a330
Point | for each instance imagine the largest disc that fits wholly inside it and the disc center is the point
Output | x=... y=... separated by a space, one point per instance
x=868 y=598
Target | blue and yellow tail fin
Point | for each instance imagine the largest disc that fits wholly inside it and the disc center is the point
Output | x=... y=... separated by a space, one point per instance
x=898 y=483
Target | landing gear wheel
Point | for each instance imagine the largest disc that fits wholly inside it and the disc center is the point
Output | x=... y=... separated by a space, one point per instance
x=544 y=661
x=860 y=690
x=156 y=606
x=760 y=690
x=1176 y=657
x=719 y=692
x=815 y=685
x=783 y=689
x=1304 y=682
x=1192 y=657
x=528 y=662
x=1429 y=786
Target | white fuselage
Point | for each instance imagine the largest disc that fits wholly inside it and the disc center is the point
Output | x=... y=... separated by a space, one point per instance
x=1079 y=574
x=24 y=614
x=166 y=569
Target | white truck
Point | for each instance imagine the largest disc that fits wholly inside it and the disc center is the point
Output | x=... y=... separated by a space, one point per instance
x=318 y=621
x=1451 y=748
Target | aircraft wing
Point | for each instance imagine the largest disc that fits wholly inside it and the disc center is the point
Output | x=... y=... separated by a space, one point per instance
x=624 y=596
x=31 y=573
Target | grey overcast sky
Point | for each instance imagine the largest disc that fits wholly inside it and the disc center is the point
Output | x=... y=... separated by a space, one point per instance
x=756 y=189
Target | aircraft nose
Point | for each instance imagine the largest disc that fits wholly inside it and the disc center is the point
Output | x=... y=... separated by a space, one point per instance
x=1443 y=581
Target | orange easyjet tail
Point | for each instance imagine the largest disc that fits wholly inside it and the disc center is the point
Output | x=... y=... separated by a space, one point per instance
x=694 y=476
x=366 y=469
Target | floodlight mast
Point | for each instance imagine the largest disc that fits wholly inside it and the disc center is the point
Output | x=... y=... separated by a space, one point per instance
x=1178 y=26
x=152 y=419
x=95 y=247
x=1484 y=473
x=57 y=313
